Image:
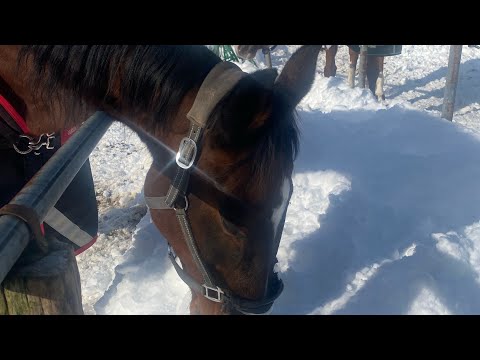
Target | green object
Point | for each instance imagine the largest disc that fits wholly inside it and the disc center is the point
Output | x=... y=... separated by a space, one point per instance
x=226 y=53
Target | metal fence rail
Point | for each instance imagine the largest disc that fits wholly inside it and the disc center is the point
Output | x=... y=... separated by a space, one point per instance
x=48 y=185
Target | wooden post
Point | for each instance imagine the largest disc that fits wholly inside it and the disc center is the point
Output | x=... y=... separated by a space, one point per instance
x=362 y=66
x=48 y=286
x=451 y=81
x=268 y=58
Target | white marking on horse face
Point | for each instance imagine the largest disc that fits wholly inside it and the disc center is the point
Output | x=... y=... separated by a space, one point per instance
x=278 y=212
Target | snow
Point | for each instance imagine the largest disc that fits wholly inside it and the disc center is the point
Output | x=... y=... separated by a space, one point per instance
x=385 y=212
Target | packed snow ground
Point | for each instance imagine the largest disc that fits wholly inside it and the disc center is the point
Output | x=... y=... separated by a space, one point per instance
x=385 y=214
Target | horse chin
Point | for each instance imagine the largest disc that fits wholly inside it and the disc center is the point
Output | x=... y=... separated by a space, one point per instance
x=201 y=306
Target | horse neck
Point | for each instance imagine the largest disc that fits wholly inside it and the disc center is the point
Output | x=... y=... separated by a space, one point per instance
x=46 y=117
x=16 y=88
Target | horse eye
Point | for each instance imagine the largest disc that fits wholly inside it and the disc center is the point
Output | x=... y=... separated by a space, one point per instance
x=233 y=229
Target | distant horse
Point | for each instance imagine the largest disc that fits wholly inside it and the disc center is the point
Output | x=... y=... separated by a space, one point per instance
x=223 y=144
x=248 y=52
x=375 y=60
x=374 y=64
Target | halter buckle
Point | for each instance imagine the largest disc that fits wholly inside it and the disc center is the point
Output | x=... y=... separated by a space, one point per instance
x=187 y=153
x=213 y=293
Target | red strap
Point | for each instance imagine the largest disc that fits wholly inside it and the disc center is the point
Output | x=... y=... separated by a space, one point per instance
x=67 y=134
x=14 y=114
x=79 y=250
x=86 y=246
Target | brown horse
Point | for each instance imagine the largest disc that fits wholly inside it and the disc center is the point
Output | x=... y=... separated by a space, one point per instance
x=248 y=52
x=373 y=71
x=374 y=64
x=223 y=144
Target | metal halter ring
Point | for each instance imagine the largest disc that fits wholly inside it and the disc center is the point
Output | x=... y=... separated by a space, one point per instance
x=214 y=294
x=186 y=205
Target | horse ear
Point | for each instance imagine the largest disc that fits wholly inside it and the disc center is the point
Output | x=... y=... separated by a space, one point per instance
x=265 y=77
x=245 y=109
x=298 y=74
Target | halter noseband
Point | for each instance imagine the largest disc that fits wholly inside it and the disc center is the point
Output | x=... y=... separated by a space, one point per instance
x=221 y=79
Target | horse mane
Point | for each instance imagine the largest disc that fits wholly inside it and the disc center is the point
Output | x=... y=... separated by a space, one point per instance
x=155 y=79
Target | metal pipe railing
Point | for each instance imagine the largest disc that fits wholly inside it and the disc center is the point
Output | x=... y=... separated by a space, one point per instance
x=43 y=191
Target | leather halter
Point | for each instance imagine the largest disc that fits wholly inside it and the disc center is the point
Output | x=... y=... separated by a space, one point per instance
x=221 y=79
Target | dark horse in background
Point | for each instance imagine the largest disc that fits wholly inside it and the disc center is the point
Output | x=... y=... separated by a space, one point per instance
x=374 y=64
x=223 y=144
x=375 y=60
x=248 y=52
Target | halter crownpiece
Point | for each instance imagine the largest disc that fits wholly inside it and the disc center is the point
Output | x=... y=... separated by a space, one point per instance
x=219 y=81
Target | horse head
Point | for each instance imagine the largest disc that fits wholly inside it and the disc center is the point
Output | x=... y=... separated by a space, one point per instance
x=238 y=197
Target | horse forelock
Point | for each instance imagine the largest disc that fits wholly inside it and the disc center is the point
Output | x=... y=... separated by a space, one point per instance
x=273 y=145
